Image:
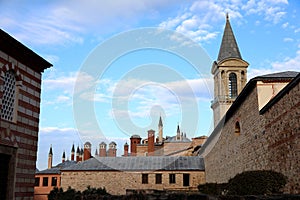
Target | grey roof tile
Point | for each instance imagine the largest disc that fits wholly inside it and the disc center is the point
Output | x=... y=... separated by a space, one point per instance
x=139 y=164
x=229 y=47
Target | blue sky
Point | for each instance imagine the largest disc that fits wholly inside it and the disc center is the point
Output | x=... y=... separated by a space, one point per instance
x=127 y=96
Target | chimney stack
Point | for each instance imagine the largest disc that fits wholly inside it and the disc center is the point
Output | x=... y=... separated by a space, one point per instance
x=134 y=141
x=151 y=135
x=87 y=151
x=102 y=149
x=126 y=149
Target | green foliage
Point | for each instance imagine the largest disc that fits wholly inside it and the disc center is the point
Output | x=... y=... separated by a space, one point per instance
x=212 y=188
x=264 y=182
x=72 y=194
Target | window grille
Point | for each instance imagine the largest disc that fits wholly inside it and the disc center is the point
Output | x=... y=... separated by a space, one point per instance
x=9 y=96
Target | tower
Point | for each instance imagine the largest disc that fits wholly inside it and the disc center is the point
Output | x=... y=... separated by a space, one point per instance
x=178 y=133
x=77 y=154
x=102 y=149
x=63 y=157
x=73 y=152
x=50 y=156
x=87 y=151
x=160 y=130
x=230 y=74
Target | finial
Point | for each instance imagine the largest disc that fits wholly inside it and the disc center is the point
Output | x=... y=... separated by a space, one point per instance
x=227 y=16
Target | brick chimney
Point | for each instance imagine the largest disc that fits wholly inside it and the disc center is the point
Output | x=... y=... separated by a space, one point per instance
x=151 y=135
x=102 y=149
x=126 y=149
x=134 y=141
x=112 y=149
x=87 y=151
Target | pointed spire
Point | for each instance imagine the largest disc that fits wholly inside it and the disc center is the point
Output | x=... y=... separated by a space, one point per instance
x=50 y=151
x=64 y=155
x=78 y=150
x=73 y=148
x=160 y=124
x=229 y=47
x=96 y=152
x=178 y=129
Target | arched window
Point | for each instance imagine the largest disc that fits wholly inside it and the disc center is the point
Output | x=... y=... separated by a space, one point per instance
x=237 y=129
x=232 y=85
x=9 y=96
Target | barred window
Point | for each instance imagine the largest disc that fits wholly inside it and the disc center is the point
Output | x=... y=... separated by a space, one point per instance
x=9 y=96
x=232 y=85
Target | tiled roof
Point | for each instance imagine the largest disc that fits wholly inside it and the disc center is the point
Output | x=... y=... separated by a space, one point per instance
x=286 y=74
x=229 y=47
x=56 y=169
x=168 y=163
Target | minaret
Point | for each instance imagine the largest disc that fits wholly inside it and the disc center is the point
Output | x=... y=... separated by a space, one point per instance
x=73 y=152
x=230 y=74
x=178 y=133
x=160 y=130
x=77 y=154
x=50 y=156
x=63 y=157
x=96 y=152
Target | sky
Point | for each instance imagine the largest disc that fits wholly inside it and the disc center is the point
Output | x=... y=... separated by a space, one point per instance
x=119 y=65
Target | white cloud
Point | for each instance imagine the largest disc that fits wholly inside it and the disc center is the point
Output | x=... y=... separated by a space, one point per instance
x=288 y=39
x=288 y=64
x=285 y=25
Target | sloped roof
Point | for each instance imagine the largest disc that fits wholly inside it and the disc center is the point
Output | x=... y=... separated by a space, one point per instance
x=229 y=47
x=17 y=50
x=148 y=163
x=279 y=75
x=56 y=169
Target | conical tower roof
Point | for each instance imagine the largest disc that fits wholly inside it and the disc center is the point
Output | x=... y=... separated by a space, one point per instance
x=160 y=122
x=229 y=47
x=50 y=151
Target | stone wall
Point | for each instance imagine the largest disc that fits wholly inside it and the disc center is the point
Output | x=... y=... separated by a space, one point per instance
x=282 y=131
x=117 y=182
x=266 y=142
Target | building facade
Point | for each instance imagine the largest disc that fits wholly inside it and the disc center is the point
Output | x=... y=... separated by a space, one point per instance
x=259 y=130
x=20 y=88
x=120 y=174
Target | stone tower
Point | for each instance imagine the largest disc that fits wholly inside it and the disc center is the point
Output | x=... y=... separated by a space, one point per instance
x=230 y=74
x=50 y=157
x=134 y=141
x=160 y=130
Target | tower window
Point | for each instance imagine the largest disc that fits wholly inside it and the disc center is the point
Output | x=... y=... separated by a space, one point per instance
x=232 y=85
x=9 y=96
